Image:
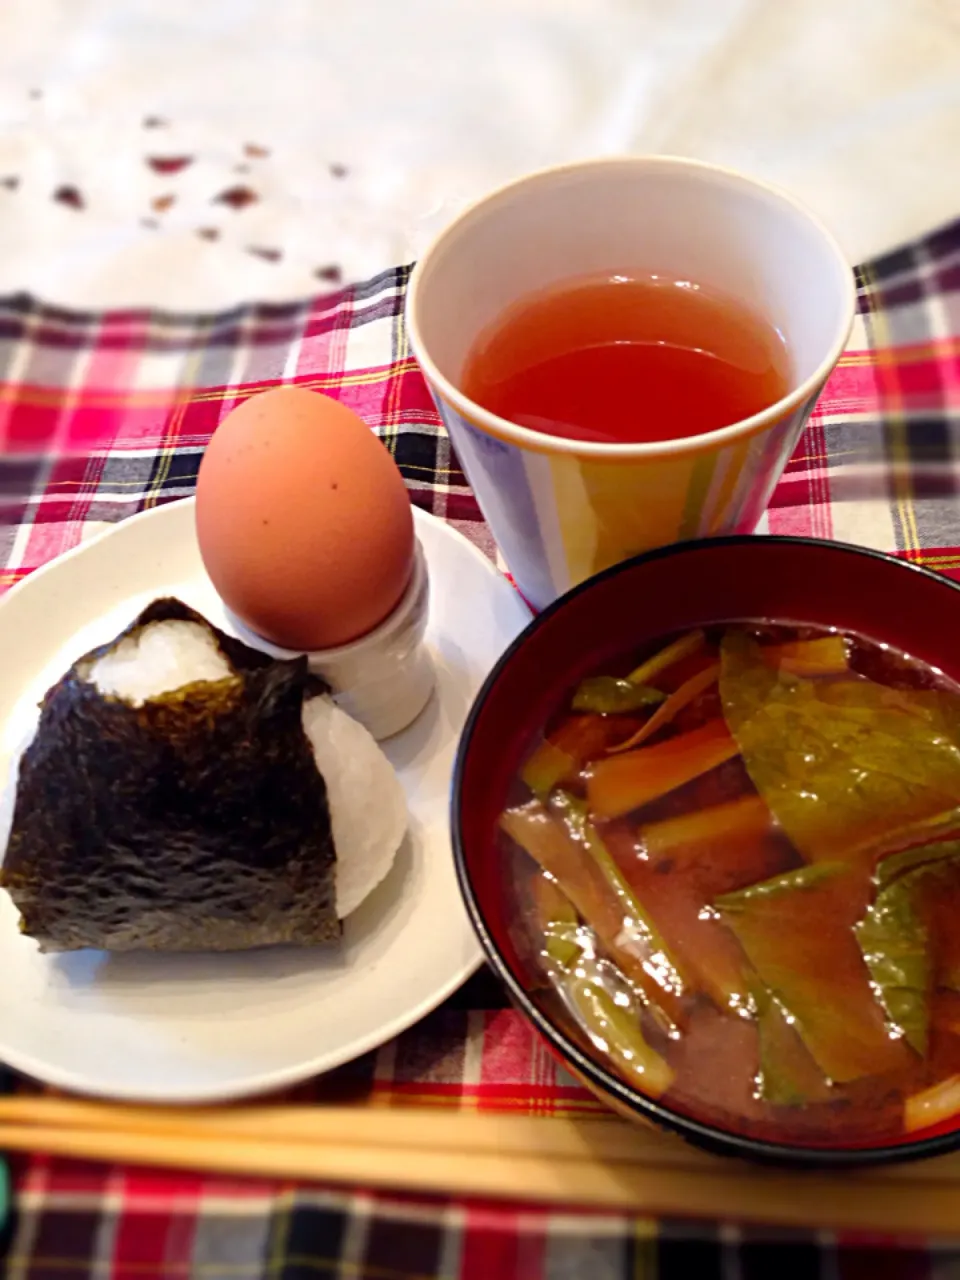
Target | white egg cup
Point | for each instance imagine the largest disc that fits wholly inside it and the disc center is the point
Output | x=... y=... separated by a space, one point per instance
x=385 y=678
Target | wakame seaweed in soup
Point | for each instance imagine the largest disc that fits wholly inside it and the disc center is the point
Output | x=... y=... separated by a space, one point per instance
x=736 y=876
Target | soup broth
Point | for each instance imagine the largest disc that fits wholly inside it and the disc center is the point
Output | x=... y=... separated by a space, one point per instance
x=734 y=873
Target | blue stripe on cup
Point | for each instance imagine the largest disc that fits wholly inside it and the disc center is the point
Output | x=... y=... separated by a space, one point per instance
x=498 y=476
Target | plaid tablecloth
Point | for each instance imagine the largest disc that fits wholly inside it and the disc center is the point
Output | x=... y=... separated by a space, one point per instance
x=102 y=415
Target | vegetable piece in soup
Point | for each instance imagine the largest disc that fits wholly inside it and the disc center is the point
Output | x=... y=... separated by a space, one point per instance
x=843 y=762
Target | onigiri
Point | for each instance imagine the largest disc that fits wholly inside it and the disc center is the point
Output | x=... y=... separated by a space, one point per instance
x=184 y=791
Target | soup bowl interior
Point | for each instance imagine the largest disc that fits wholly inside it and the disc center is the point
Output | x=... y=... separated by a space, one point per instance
x=807 y=582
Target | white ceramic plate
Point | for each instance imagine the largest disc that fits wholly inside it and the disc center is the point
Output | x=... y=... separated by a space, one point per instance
x=204 y=1027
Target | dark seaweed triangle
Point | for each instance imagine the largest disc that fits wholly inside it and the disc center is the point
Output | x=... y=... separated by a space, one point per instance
x=198 y=821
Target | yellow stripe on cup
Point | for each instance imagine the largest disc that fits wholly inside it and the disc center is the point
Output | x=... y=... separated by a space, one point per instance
x=608 y=511
x=611 y=510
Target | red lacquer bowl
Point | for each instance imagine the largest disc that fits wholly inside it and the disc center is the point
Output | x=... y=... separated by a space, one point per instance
x=680 y=587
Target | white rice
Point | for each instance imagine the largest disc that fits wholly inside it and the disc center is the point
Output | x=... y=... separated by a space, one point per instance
x=368 y=809
x=160 y=657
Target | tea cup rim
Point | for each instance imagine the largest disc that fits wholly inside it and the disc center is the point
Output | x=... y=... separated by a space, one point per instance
x=541 y=442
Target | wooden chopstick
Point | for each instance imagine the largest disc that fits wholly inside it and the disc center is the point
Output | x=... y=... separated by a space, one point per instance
x=600 y=1163
x=439 y=1129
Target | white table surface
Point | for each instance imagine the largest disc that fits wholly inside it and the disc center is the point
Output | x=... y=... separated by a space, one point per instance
x=854 y=104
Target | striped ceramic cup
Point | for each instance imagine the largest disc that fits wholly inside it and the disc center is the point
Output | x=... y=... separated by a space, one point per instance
x=563 y=509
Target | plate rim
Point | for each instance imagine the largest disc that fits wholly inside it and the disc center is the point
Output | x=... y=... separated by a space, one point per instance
x=277 y=1079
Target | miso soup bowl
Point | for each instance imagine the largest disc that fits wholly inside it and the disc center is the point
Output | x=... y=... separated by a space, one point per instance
x=674 y=589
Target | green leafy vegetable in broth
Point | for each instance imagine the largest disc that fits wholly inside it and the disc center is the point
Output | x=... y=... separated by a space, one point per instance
x=899 y=864
x=616 y=1030
x=896 y=947
x=797 y=931
x=941 y=898
x=917 y=835
x=609 y=1019
x=558 y=921
x=636 y=925
x=600 y=1005
x=788 y=1075
x=600 y=902
x=609 y=695
x=843 y=762
x=667 y=657
x=923 y=885
x=907 y=934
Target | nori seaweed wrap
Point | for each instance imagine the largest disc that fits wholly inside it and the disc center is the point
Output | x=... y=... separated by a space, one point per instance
x=195 y=819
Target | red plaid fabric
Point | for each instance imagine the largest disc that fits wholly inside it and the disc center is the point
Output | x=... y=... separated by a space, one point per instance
x=102 y=415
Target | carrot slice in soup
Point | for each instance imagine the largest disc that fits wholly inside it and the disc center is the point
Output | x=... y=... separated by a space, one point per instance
x=825 y=656
x=724 y=827
x=681 y=698
x=621 y=783
x=931 y=1106
x=561 y=756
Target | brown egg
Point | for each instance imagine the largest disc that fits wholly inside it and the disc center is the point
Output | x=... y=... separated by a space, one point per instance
x=303 y=520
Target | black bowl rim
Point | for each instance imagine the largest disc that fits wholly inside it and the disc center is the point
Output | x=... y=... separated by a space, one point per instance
x=709 y=1137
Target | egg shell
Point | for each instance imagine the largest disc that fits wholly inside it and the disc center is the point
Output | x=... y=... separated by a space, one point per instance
x=303 y=520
